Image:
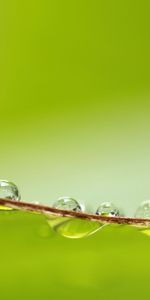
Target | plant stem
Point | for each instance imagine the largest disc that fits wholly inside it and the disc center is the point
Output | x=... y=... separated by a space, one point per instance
x=47 y=210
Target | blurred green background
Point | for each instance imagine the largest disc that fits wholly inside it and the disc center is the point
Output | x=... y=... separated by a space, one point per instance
x=38 y=264
x=74 y=102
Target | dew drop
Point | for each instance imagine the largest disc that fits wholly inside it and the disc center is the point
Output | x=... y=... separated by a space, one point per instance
x=107 y=209
x=8 y=190
x=67 y=203
x=143 y=210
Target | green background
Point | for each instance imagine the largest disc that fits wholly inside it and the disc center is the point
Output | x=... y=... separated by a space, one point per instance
x=74 y=103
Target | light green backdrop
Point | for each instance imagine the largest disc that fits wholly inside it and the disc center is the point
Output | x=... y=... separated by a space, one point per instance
x=75 y=120
x=74 y=100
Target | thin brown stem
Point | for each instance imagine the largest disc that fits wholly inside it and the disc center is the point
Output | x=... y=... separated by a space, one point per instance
x=47 y=210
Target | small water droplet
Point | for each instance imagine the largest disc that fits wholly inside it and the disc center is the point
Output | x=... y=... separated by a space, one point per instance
x=143 y=210
x=8 y=190
x=107 y=209
x=67 y=203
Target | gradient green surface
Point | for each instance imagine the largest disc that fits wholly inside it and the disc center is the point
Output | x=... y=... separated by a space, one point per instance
x=38 y=264
x=74 y=102
x=75 y=99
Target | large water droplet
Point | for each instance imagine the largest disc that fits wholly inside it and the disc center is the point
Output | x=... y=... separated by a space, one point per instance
x=67 y=203
x=143 y=210
x=8 y=190
x=107 y=209
x=74 y=228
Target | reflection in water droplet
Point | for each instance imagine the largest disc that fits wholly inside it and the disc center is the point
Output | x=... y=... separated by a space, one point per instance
x=143 y=210
x=67 y=203
x=10 y=191
x=107 y=209
x=74 y=228
x=145 y=230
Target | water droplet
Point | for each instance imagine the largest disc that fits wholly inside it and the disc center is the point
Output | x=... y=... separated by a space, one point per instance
x=68 y=203
x=143 y=210
x=8 y=190
x=74 y=228
x=107 y=209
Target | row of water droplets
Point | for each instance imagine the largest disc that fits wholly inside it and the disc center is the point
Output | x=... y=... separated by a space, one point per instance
x=74 y=228
x=10 y=191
